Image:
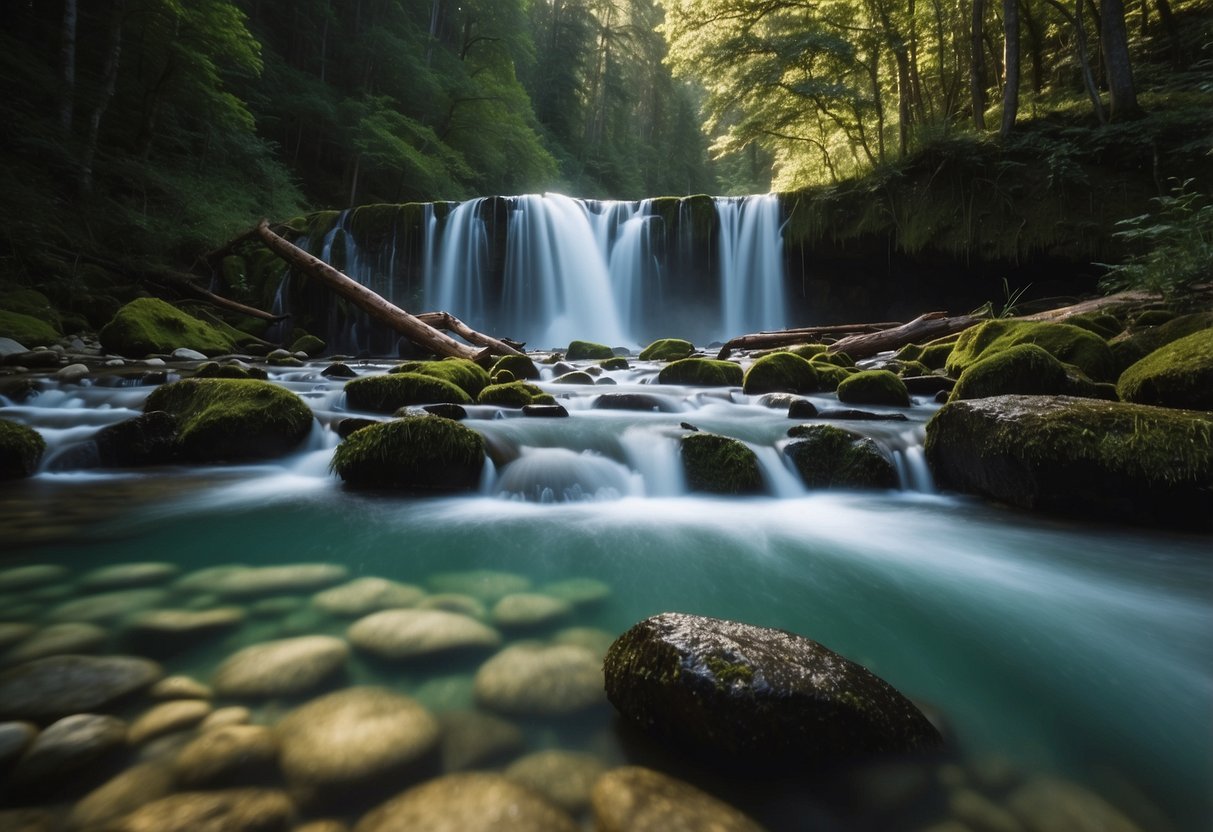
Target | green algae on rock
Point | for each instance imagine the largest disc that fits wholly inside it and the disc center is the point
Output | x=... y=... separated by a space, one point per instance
x=719 y=465
x=581 y=350
x=1069 y=344
x=1079 y=457
x=467 y=375
x=827 y=456
x=150 y=325
x=1179 y=374
x=1022 y=369
x=26 y=329
x=667 y=349
x=388 y=393
x=415 y=453
x=1131 y=349
x=21 y=449
x=226 y=420
x=701 y=372
x=514 y=394
x=780 y=372
x=756 y=694
x=520 y=366
x=874 y=387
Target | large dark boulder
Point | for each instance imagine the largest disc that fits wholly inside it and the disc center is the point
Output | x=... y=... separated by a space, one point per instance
x=756 y=694
x=147 y=439
x=416 y=453
x=21 y=448
x=150 y=325
x=719 y=464
x=827 y=456
x=1078 y=457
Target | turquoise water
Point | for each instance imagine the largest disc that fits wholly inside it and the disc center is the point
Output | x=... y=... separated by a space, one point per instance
x=1061 y=649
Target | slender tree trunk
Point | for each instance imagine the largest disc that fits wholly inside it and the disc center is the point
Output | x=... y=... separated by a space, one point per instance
x=977 y=64
x=68 y=102
x=1035 y=46
x=110 y=74
x=1115 y=40
x=1172 y=30
x=1084 y=60
x=1010 y=62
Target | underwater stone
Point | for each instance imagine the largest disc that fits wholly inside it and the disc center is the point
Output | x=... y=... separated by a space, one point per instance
x=412 y=633
x=591 y=638
x=366 y=595
x=246 y=581
x=58 y=640
x=108 y=606
x=227 y=755
x=564 y=777
x=180 y=687
x=635 y=799
x=756 y=694
x=471 y=739
x=121 y=795
x=416 y=453
x=122 y=575
x=528 y=609
x=831 y=457
x=230 y=810
x=455 y=602
x=64 y=747
x=281 y=668
x=533 y=679
x=46 y=689
x=483 y=584
x=12 y=632
x=467 y=802
x=23 y=577
x=1053 y=805
x=166 y=718
x=169 y=631
x=874 y=387
x=15 y=738
x=578 y=591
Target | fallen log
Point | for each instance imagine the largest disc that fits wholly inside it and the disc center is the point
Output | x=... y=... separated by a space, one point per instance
x=410 y=326
x=447 y=321
x=802 y=335
x=923 y=328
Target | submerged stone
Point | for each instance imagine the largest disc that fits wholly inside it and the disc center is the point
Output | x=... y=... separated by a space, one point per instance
x=108 y=606
x=281 y=668
x=123 y=575
x=58 y=640
x=486 y=585
x=416 y=453
x=230 y=810
x=23 y=577
x=366 y=595
x=46 y=689
x=167 y=718
x=636 y=799
x=533 y=679
x=529 y=609
x=471 y=739
x=756 y=694
x=413 y=633
x=468 y=802
x=227 y=755
x=121 y=795
x=64 y=747
x=563 y=777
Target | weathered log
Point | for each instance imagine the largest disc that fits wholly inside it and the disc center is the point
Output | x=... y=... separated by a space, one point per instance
x=923 y=328
x=802 y=335
x=448 y=322
x=411 y=327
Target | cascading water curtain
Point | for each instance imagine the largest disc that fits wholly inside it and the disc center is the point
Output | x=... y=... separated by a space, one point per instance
x=751 y=265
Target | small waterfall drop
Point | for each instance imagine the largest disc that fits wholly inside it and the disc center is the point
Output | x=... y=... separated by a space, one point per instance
x=751 y=264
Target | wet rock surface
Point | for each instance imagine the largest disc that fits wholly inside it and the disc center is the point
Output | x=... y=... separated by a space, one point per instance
x=635 y=799
x=45 y=689
x=471 y=802
x=281 y=668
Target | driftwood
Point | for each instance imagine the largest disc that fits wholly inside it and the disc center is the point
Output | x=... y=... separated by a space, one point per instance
x=803 y=335
x=447 y=321
x=410 y=326
x=923 y=328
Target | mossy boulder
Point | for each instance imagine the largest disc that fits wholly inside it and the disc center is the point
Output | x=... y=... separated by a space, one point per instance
x=213 y=369
x=1101 y=323
x=1069 y=344
x=1024 y=368
x=616 y=363
x=701 y=372
x=1128 y=351
x=388 y=393
x=719 y=465
x=309 y=344
x=1079 y=457
x=1179 y=374
x=575 y=377
x=667 y=349
x=416 y=453
x=27 y=330
x=521 y=366
x=1153 y=317
x=467 y=375
x=832 y=457
x=149 y=325
x=228 y=420
x=780 y=372
x=809 y=351
x=581 y=350
x=829 y=376
x=756 y=695
x=514 y=394
x=874 y=387
x=838 y=359
x=21 y=448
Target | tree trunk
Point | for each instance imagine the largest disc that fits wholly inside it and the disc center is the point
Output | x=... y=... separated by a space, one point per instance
x=1168 y=24
x=977 y=64
x=68 y=101
x=409 y=326
x=107 y=93
x=1010 y=62
x=1119 y=69
x=923 y=328
x=1084 y=60
x=789 y=337
x=448 y=322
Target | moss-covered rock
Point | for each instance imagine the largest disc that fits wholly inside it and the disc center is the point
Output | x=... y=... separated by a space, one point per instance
x=1153 y=317
x=616 y=363
x=1179 y=374
x=1129 y=350
x=701 y=372
x=514 y=394
x=935 y=355
x=149 y=325
x=21 y=449
x=874 y=387
x=467 y=375
x=309 y=344
x=838 y=359
x=1069 y=344
x=719 y=465
x=27 y=330
x=213 y=369
x=667 y=349
x=809 y=351
x=1025 y=369
x=416 y=453
x=228 y=420
x=575 y=377
x=388 y=393
x=829 y=376
x=581 y=350
x=521 y=366
x=755 y=694
x=1101 y=323
x=780 y=372
x=1080 y=457
x=831 y=457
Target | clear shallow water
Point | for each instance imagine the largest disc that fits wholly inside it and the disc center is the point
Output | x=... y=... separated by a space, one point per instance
x=1064 y=648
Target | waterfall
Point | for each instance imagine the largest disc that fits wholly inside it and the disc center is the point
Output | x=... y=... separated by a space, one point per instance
x=751 y=264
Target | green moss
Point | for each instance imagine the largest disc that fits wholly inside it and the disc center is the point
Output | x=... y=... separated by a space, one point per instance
x=701 y=372
x=416 y=453
x=727 y=673
x=576 y=377
x=719 y=465
x=1070 y=344
x=1024 y=368
x=521 y=366
x=21 y=448
x=309 y=344
x=827 y=456
x=829 y=376
x=780 y=372
x=1128 y=351
x=1179 y=374
x=467 y=375
x=809 y=351
x=389 y=393
x=616 y=363
x=667 y=349
x=212 y=369
x=581 y=350
x=1101 y=323
x=910 y=368
x=910 y=352
x=502 y=377
x=227 y=420
x=935 y=355
x=149 y=325
x=838 y=359
x=514 y=394
x=1153 y=317
x=874 y=387
x=32 y=303
x=26 y=330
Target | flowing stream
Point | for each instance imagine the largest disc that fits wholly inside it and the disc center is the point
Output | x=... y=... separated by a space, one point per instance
x=1046 y=648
